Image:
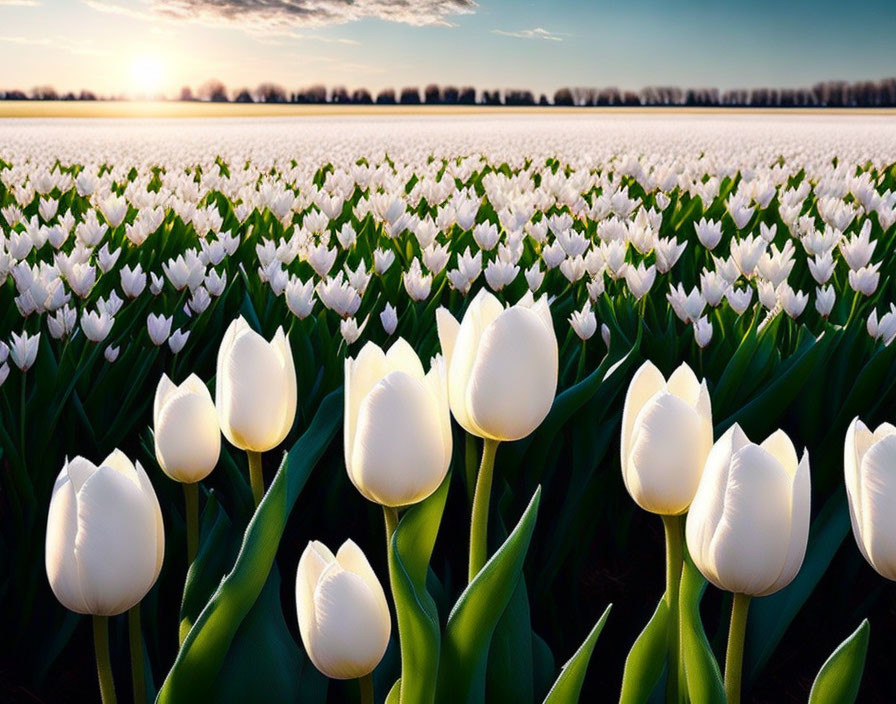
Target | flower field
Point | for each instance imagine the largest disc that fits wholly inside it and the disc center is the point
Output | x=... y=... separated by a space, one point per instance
x=446 y=409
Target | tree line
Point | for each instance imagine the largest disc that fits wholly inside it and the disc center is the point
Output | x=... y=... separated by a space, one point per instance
x=826 y=94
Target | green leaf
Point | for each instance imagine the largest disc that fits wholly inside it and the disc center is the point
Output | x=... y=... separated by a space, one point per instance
x=701 y=671
x=647 y=659
x=418 y=619
x=472 y=622
x=839 y=678
x=199 y=662
x=568 y=687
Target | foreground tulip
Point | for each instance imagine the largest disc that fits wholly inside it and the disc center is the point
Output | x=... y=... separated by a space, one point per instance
x=502 y=377
x=104 y=547
x=343 y=615
x=255 y=393
x=748 y=526
x=397 y=424
x=666 y=437
x=869 y=464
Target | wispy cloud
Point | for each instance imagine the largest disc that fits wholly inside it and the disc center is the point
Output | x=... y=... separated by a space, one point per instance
x=83 y=47
x=20 y=3
x=537 y=33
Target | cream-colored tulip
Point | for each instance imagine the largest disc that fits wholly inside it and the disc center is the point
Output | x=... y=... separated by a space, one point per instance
x=869 y=464
x=666 y=437
x=749 y=522
x=105 y=538
x=185 y=428
x=502 y=365
x=255 y=388
x=397 y=424
x=343 y=615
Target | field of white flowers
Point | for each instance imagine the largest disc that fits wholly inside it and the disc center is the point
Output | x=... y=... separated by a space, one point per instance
x=513 y=340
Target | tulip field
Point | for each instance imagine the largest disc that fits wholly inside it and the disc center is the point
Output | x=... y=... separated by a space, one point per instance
x=448 y=409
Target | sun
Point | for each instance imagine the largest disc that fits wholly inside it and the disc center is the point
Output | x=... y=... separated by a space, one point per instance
x=147 y=75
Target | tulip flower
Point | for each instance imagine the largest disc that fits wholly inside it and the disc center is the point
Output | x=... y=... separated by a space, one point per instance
x=255 y=393
x=502 y=377
x=344 y=619
x=748 y=526
x=104 y=546
x=666 y=437
x=397 y=424
x=869 y=459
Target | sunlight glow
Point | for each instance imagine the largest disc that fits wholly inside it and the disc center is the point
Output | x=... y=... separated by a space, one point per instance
x=147 y=75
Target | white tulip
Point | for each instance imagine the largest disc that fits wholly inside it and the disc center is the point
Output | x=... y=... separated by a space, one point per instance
x=502 y=365
x=749 y=521
x=185 y=429
x=397 y=424
x=666 y=437
x=389 y=318
x=869 y=461
x=23 y=349
x=255 y=388
x=583 y=322
x=105 y=538
x=343 y=615
x=159 y=328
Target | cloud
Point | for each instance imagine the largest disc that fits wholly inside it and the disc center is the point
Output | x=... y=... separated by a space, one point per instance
x=537 y=33
x=284 y=14
x=73 y=46
x=20 y=3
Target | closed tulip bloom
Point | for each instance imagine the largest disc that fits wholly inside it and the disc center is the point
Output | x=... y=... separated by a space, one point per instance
x=397 y=424
x=255 y=390
x=869 y=463
x=502 y=365
x=749 y=522
x=185 y=426
x=105 y=539
x=666 y=437
x=343 y=615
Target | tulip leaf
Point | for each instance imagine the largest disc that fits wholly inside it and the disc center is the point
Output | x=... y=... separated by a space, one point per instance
x=839 y=678
x=418 y=619
x=701 y=670
x=647 y=659
x=204 y=652
x=568 y=687
x=468 y=633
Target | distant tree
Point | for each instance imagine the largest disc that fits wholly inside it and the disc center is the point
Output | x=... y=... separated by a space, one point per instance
x=386 y=97
x=15 y=95
x=467 y=96
x=213 y=91
x=543 y=100
x=563 y=96
x=410 y=96
x=68 y=96
x=519 y=97
x=44 y=93
x=243 y=96
x=270 y=93
x=186 y=94
x=450 y=95
x=86 y=95
x=361 y=96
x=314 y=94
x=491 y=97
x=339 y=95
x=432 y=95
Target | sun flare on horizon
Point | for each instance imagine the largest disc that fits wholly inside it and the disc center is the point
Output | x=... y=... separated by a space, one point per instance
x=147 y=76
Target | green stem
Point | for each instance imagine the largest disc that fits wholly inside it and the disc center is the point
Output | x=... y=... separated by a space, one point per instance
x=366 y=685
x=470 y=465
x=580 y=369
x=390 y=513
x=191 y=508
x=103 y=666
x=735 y=656
x=479 y=522
x=136 y=639
x=674 y=562
x=22 y=416
x=255 y=477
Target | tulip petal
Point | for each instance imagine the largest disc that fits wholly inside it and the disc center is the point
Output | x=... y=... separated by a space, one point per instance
x=401 y=357
x=314 y=560
x=447 y=327
x=779 y=445
x=361 y=375
x=352 y=559
x=878 y=487
x=59 y=557
x=646 y=382
x=684 y=384
x=856 y=437
x=801 y=497
x=163 y=391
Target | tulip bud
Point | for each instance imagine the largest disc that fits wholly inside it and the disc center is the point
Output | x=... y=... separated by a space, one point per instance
x=666 y=437
x=868 y=463
x=185 y=426
x=502 y=365
x=343 y=615
x=105 y=539
x=397 y=424
x=749 y=521
x=255 y=388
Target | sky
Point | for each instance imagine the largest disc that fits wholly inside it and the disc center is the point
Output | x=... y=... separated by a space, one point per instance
x=118 y=47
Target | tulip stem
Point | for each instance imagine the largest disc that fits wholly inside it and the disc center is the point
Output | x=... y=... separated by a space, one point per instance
x=191 y=508
x=735 y=655
x=366 y=685
x=255 y=477
x=674 y=557
x=135 y=636
x=22 y=429
x=390 y=513
x=479 y=522
x=580 y=368
x=103 y=665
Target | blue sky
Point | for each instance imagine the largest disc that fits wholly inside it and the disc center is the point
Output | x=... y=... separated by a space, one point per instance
x=115 y=46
